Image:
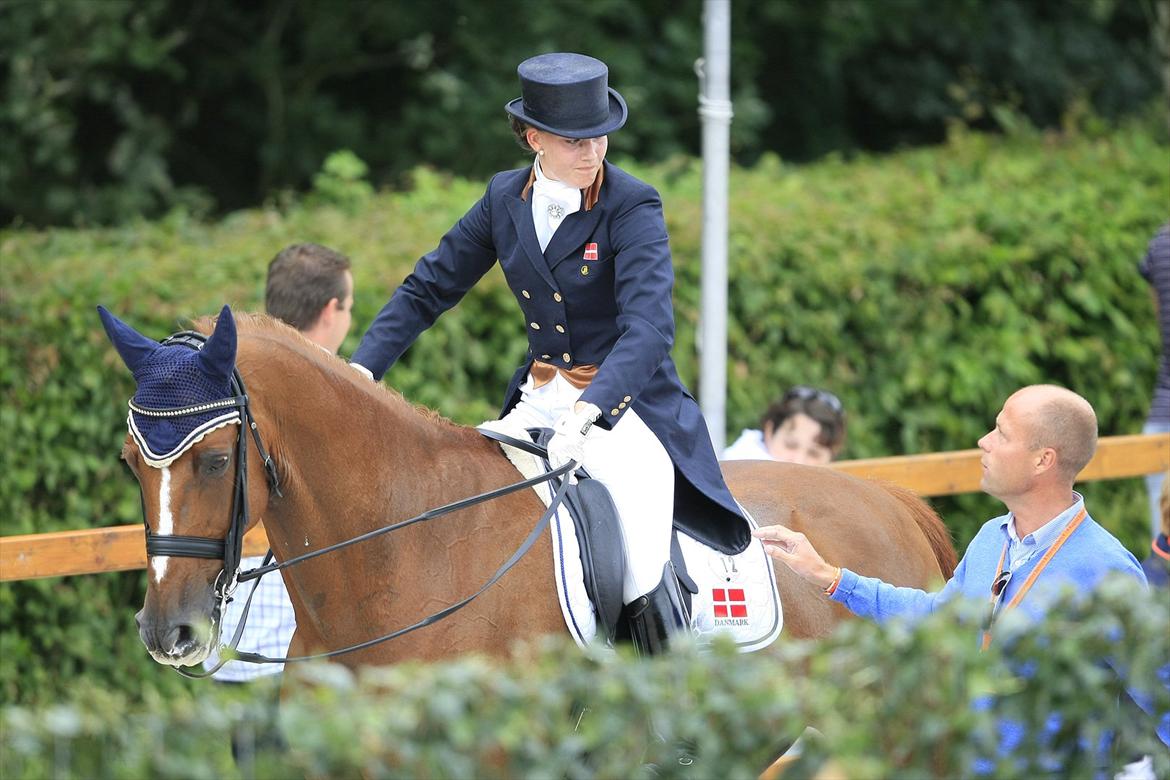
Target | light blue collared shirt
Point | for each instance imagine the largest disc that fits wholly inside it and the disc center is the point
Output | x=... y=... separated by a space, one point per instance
x=1020 y=551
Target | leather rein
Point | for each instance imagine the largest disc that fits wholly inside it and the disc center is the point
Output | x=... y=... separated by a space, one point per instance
x=229 y=549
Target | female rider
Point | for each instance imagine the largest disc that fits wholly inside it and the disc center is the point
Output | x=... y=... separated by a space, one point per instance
x=584 y=248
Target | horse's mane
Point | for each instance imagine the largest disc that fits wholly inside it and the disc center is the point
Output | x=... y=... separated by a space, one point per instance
x=932 y=527
x=254 y=325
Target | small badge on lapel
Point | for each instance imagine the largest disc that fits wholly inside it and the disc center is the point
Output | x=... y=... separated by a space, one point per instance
x=584 y=270
x=590 y=251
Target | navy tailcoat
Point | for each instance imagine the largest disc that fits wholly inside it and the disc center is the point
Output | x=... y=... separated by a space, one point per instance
x=600 y=294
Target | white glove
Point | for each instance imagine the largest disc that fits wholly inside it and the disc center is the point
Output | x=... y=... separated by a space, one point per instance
x=367 y=373
x=568 y=441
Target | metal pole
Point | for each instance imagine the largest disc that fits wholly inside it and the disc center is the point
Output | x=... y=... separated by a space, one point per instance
x=714 y=72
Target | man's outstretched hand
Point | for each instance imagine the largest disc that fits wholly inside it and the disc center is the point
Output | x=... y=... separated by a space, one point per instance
x=793 y=549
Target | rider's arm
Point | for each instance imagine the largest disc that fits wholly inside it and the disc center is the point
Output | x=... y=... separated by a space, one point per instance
x=439 y=280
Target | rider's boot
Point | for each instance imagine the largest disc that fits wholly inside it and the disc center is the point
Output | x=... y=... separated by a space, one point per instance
x=658 y=614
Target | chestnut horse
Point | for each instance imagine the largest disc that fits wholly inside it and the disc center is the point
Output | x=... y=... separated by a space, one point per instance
x=352 y=456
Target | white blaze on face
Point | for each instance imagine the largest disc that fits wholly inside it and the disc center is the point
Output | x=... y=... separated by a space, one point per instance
x=166 y=522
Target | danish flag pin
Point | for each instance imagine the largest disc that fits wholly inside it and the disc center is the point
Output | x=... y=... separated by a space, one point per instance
x=590 y=251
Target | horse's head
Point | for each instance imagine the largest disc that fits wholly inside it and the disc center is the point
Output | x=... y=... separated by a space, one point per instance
x=188 y=449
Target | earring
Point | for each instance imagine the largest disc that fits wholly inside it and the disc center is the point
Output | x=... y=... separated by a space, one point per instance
x=541 y=152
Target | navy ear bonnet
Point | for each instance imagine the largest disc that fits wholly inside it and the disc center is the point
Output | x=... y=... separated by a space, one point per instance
x=183 y=392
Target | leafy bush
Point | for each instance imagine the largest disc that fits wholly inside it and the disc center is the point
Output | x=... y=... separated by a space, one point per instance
x=84 y=139
x=342 y=183
x=922 y=287
x=902 y=700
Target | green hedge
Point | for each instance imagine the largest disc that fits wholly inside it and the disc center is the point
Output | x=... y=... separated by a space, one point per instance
x=897 y=701
x=923 y=287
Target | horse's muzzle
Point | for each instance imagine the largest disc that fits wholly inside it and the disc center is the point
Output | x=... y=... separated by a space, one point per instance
x=184 y=641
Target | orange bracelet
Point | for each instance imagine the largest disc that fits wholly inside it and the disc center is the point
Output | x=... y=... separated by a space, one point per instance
x=829 y=591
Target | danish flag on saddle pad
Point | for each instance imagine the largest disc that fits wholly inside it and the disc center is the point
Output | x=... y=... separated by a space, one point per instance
x=729 y=602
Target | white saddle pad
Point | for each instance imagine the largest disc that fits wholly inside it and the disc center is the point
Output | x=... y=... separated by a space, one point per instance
x=737 y=593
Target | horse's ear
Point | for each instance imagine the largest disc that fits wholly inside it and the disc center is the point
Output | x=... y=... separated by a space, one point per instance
x=218 y=356
x=131 y=345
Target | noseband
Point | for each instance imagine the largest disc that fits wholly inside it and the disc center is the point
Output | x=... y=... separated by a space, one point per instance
x=228 y=549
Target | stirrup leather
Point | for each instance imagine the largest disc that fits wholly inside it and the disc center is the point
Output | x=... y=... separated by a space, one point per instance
x=658 y=614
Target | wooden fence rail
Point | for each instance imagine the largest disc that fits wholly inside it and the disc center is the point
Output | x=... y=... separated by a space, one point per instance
x=121 y=548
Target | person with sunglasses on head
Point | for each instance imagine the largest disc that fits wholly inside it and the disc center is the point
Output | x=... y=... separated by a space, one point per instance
x=1043 y=437
x=806 y=425
x=584 y=248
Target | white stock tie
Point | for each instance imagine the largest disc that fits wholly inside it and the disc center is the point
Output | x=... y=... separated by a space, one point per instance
x=552 y=201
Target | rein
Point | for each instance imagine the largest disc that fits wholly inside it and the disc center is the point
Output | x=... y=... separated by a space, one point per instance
x=229 y=549
x=430 y=514
x=521 y=551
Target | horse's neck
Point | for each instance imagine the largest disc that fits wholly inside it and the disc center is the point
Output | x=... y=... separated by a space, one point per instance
x=356 y=456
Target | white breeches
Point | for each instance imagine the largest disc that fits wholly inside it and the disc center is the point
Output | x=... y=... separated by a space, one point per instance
x=632 y=464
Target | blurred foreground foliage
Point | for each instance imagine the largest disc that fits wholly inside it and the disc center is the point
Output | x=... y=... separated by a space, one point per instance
x=922 y=287
x=907 y=701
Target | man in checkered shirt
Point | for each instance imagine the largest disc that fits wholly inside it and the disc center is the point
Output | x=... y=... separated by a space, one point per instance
x=311 y=288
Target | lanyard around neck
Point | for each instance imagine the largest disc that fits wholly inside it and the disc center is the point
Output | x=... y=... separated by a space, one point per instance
x=996 y=597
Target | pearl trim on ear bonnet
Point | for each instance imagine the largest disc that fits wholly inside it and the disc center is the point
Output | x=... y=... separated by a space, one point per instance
x=183 y=394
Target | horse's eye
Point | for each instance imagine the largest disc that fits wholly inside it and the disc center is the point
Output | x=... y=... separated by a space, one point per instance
x=213 y=464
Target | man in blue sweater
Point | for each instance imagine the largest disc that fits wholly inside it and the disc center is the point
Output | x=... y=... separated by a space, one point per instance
x=1042 y=438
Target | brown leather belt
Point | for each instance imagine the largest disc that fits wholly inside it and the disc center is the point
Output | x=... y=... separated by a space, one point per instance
x=577 y=376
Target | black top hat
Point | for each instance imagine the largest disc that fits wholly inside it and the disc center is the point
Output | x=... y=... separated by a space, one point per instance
x=569 y=95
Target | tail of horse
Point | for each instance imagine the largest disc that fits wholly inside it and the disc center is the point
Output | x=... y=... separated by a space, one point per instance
x=931 y=526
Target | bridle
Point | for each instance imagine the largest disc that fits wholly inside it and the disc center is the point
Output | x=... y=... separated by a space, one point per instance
x=229 y=549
